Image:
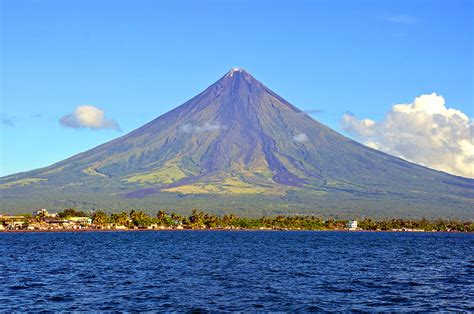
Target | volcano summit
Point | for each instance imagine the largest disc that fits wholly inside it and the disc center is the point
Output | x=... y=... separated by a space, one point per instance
x=240 y=147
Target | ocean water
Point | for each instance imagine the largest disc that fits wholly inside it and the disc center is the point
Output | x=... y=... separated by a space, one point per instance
x=235 y=271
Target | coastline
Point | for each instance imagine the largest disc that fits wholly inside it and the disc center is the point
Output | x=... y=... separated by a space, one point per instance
x=72 y=220
x=90 y=230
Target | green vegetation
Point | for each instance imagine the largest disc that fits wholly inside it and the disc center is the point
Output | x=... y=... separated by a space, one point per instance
x=421 y=224
x=225 y=186
x=100 y=218
x=137 y=219
x=121 y=219
x=71 y=212
x=168 y=174
x=21 y=182
x=335 y=204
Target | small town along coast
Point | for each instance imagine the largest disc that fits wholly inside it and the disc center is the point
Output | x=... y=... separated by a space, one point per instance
x=76 y=220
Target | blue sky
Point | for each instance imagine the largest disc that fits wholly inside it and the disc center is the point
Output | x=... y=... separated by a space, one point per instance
x=138 y=59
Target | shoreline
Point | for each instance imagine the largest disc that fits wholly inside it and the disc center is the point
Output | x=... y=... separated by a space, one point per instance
x=220 y=230
x=72 y=220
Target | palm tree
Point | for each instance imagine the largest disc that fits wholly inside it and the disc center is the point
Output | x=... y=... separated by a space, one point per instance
x=161 y=218
x=177 y=219
x=121 y=219
x=100 y=218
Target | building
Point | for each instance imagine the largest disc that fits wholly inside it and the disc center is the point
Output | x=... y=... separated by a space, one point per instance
x=44 y=213
x=15 y=225
x=352 y=225
x=83 y=220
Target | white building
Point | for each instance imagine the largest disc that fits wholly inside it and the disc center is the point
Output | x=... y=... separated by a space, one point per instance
x=44 y=213
x=352 y=224
x=84 y=220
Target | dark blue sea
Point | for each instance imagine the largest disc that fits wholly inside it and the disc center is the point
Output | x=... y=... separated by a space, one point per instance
x=236 y=271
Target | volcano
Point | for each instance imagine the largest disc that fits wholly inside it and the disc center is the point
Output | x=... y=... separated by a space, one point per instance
x=238 y=146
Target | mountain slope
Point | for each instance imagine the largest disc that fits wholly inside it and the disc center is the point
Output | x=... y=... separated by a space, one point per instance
x=235 y=141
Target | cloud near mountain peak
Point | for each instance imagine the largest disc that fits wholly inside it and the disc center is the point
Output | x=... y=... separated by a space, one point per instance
x=424 y=131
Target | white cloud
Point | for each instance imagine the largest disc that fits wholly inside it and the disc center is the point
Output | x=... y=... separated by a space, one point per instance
x=424 y=131
x=300 y=138
x=186 y=128
x=90 y=117
x=206 y=127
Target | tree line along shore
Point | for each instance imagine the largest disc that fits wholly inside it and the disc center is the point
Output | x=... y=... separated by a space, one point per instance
x=72 y=219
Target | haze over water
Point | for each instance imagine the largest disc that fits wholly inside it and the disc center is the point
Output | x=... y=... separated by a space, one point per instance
x=229 y=271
